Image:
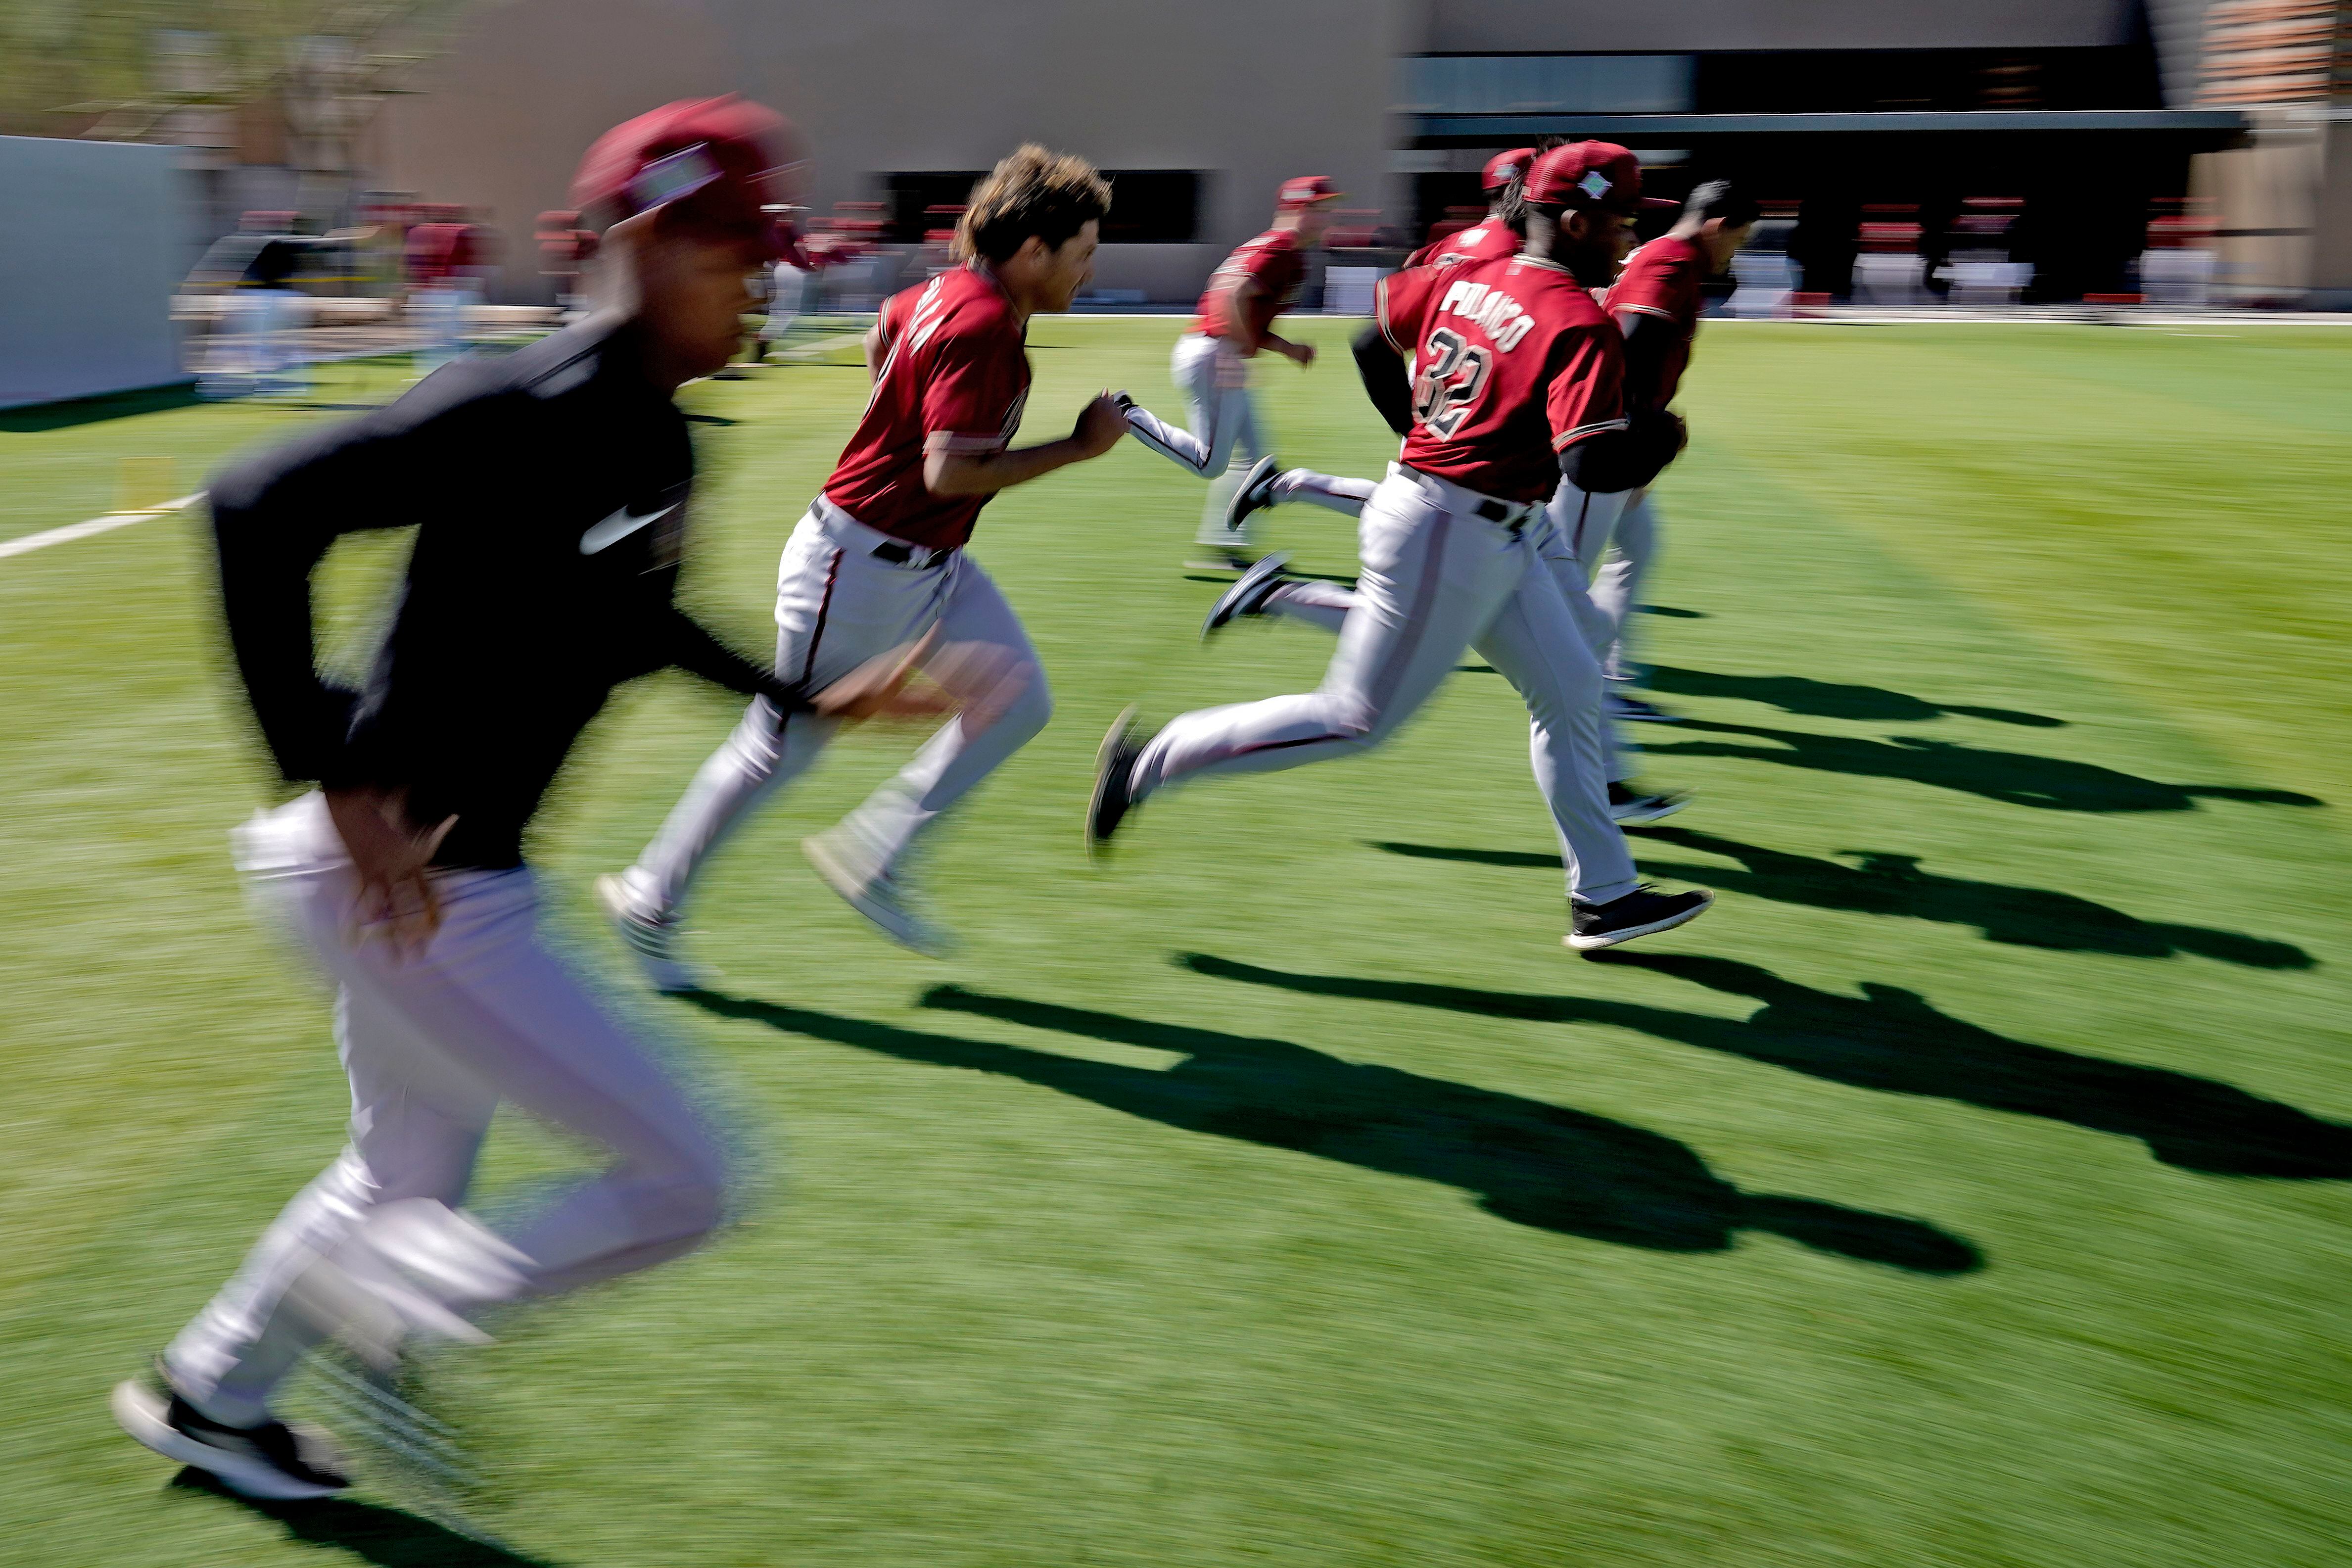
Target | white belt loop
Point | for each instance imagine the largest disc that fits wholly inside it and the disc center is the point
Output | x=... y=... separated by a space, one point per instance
x=866 y=540
x=1463 y=501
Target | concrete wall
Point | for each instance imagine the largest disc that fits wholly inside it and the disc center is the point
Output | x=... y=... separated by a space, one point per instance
x=911 y=85
x=1504 y=27
x=94 y=245
x=2284 y=208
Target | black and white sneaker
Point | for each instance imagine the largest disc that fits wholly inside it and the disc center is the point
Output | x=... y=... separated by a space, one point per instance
x=1114 y=796
x=1217 y=558
x=1248 y=596
x=1629 y=806
x=1634 y=710
x=271 y=1460
x=1642 y=913
x=653 y=942
x=1256 y=494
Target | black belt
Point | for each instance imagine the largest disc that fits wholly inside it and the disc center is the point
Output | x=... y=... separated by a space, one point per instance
x=899 y=555
x=1515 y=518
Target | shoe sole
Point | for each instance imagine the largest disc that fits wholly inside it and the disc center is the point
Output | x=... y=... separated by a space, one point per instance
x=1648 y=813
x=1611 y=939
x=895 y=924
x=1237 y=513
x=141 y=1413
x=667 y=976
x=1220 y=616
x=1119 y=727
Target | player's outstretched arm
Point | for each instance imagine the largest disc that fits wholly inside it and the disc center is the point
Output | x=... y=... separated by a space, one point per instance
x=1100 y=427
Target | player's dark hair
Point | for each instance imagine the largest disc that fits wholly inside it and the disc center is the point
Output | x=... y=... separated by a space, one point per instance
x=1050 y=194
x=1720 y=198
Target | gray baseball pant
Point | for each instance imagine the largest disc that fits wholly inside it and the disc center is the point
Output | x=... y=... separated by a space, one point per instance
x=1225 y=442
x=1326 y=605
x=1438 y=579
x=432 y=1043
x=837 y=606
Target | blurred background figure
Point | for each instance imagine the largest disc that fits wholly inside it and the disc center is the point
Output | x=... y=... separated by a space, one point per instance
x=1889 y=272
x=1982 y=273
x=255 y=347
x=1767 y=278
x=448 y=262
x=2177 y=270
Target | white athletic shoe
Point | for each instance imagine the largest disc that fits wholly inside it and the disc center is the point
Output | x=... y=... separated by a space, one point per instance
x=271 y=1460
x=653 y=942
x=848 y=869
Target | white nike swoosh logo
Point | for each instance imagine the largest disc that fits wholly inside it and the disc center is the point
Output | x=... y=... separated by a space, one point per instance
x=619 y=526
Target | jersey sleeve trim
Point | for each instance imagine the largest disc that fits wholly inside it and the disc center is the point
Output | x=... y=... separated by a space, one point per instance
x=1629 y=307
x=1568 y=437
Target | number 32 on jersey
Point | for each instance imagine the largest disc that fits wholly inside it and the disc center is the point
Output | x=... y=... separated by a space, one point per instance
x=1454 y=370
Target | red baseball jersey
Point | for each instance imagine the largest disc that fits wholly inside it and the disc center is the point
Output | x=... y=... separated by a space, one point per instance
x=1273 y=259
x=1513 y=362
x=1480 y=242
x=953 y=374
x=1662 y=279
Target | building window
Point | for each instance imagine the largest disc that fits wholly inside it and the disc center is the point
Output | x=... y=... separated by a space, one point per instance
x=1546 y=84
x=1148 y=206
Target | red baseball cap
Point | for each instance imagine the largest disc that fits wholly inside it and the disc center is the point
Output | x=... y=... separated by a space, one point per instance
x=721 y=160
x=1306 y=191
x=1589 y=174
x=1504 y=167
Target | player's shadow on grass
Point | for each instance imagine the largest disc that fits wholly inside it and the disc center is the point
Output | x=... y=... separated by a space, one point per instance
x=1524 y=1160
x=2016 y=778
x=384 y=1536
x=1828 y=699
x=1890 y=884
x=1892 y=1039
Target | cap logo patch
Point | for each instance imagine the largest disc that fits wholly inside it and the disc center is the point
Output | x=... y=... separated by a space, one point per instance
x=1594 y=185
x=667 y=179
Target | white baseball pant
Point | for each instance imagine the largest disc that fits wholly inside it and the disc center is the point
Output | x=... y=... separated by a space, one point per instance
x=1225 y=442
x=432 y=1043
x=837 y=606
x=1438 y=579
x=1617 y=586
x=1326 y=605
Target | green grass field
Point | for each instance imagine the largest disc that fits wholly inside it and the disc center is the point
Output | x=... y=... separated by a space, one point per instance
x=1968 y=1188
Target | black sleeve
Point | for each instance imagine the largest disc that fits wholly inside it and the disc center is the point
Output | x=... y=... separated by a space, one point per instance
x=1385 y=382
x=274 y=517
x=1648 y=338
x=1624 y=459
x=693 y=648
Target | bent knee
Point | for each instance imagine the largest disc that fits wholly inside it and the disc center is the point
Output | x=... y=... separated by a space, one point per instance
x=1027 y=702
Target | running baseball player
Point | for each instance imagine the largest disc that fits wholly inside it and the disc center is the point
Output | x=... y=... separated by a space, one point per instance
x=1246 y=293
x=1656 y=303
x=1267 y=589
x=1516 y=383
x=1268 y=483
x=548 y=489
x=1498 y=233
x=879 y=559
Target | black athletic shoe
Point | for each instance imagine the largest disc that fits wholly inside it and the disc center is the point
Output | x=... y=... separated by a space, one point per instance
x=1113 y=771
x=1248 y=596
x=270 y=1460
x=1217 y=558
x=1640 y=912
x=1633 y=711
x=1628 y=806
x=1256 y=494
